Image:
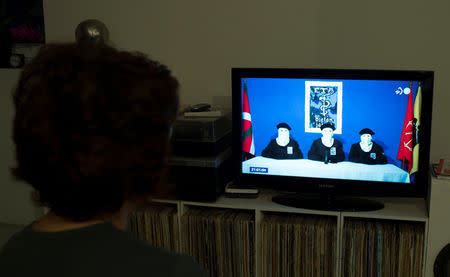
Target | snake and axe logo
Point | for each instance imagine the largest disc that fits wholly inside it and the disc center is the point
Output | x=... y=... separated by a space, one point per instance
x=324 y=104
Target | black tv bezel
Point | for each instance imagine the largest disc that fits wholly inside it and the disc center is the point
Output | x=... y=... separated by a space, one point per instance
x=336 y=186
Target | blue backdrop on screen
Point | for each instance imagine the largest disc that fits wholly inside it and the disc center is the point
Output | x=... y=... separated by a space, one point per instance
x=370 y=104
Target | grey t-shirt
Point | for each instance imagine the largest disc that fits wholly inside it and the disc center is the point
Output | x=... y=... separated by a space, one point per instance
x=96 y=250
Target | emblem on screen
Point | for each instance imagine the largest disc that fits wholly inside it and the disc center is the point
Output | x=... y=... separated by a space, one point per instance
x=259 y=169
x=323 y=104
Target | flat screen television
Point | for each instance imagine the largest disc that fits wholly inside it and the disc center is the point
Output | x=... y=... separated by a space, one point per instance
x=326 y=136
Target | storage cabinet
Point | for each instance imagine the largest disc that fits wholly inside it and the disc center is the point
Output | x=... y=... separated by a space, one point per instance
x=289 y=241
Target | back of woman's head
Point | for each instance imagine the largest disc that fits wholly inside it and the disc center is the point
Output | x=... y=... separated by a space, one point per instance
x=92 y=127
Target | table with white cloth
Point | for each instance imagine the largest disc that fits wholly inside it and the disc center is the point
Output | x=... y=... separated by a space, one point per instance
x=342 y=170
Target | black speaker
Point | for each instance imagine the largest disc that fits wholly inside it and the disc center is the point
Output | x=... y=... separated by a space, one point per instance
x=442 y=263
x=200 y=178
x=201 y=136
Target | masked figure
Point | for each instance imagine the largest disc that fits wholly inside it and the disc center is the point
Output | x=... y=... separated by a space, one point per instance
x=283 y=147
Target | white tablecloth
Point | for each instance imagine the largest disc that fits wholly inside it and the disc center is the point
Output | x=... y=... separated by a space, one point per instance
x=342 y=170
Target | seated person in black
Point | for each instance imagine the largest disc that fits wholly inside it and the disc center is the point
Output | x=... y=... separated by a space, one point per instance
x=326 y=149
x=367 y=151
x=283 y=147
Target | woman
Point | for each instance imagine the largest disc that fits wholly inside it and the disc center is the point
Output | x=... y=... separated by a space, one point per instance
x=91 y=131
x=326 y=149
x=367 y=151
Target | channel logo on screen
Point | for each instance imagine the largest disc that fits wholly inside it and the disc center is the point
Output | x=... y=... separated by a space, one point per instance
x=259 y=169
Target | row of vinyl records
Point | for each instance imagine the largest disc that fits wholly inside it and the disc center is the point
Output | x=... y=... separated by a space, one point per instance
x=298 y=245
x=382 y=248
x=223 y=242
x=157 y=225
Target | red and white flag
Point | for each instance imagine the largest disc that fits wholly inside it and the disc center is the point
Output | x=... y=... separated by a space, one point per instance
x=405 y=150
x=248 y=145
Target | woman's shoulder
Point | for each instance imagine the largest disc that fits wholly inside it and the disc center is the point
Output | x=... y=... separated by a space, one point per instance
x=167 y=263
x=103 y=243
x=138 y=254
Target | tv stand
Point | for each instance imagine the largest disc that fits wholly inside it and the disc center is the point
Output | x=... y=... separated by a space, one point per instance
x=327 y=202
x=413 y=211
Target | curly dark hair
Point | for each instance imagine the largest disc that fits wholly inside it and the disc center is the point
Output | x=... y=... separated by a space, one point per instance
x=92 y=127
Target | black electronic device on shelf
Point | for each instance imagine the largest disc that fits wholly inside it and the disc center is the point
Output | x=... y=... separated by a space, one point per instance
x=200 y=178
x=200 y=165
x=327 y=136
x=201 y=136
x=234 y=191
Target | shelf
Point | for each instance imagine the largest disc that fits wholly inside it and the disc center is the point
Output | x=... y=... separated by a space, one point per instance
x=165 y=201
x=262 y=203
x=395 y=209
x=408 y=209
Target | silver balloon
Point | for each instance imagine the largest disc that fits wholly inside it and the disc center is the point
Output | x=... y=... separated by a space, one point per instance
x=93 y=31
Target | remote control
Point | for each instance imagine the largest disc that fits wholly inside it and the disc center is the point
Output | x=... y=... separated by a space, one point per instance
x=200 y=107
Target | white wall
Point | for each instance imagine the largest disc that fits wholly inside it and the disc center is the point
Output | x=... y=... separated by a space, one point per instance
x=439 y=225
x=15 y=204
x=201 y=40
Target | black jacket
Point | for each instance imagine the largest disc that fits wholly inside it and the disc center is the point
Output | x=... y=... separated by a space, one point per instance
x=374 y=156
x=275 y=151
x=322 y=153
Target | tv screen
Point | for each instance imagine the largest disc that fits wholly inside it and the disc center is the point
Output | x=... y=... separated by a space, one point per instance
x=353 y=131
